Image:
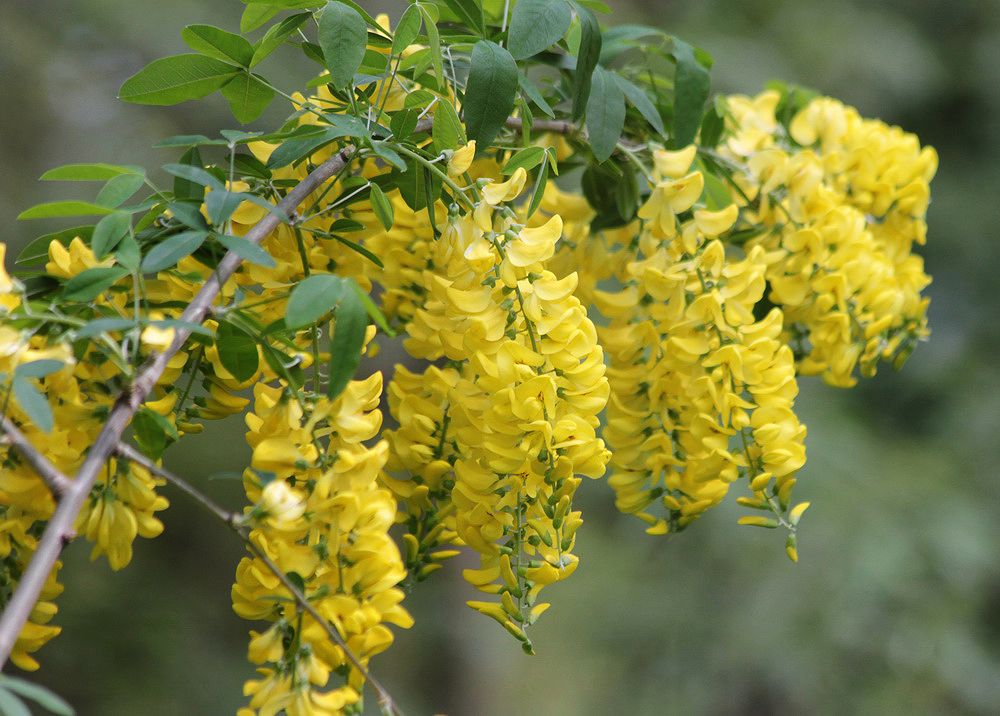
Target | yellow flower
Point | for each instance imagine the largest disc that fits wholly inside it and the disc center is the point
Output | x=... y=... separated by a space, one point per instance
x=157 y=338
x=281 y=503
x=498 y=192
x=461 y=159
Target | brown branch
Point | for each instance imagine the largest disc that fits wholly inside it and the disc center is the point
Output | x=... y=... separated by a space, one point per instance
x=235 y=521
x=50 y=474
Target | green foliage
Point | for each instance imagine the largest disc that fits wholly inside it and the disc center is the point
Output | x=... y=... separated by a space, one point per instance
x=347 y=340
x=13 y=690
x=177 y=79
x=489 y=96
x=343 y=39
x=605 y=113
x=691 y=84
x=536 y=25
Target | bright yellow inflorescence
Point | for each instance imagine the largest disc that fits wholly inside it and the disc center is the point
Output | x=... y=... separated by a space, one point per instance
x=682 y=333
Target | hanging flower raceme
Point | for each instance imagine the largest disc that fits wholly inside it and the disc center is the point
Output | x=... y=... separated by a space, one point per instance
x=702 y=391
x=840 y=201
x=493 y=444
x=319 y=513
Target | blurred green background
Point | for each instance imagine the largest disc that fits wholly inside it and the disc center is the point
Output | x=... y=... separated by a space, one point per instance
x=895 y=606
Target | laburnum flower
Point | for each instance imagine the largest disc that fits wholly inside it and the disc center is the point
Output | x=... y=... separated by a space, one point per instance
x=494 y=445
x=121 y=507
x=841 y=216
x=461 y=159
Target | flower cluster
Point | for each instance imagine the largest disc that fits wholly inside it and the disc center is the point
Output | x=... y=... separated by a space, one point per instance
x=322 y=517
x=70 y=390
x=702 y=389
x=493 y=443
x=838 y=201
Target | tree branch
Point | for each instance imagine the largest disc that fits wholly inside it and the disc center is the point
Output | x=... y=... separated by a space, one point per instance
x=235 y=521
x=50 y=474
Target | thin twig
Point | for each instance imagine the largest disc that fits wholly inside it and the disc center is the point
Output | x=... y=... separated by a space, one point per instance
x=132 y=455
x=235 y=521
x=50 y=474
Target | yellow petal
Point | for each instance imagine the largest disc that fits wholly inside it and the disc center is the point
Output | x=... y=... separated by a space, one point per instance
x=674 y=164
x=495 y=192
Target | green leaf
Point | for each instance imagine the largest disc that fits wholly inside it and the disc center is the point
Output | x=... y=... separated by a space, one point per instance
x=382 y=206
x=292 y=150
x=586 y=59
x=168 y=252
x=104 y=325
x=536 y=25
x=276 y=35
x=196 y=175
x=412 y=185
x=373 y=311
x=287 y=4
x=447 y=130
x=527 y=158
x=402 y=124
x=38 y=368
x=640 y=100
x=407 y=29
x=175 y=79
x=529 y=89
x=153 y=431
x=248 y=96
x=185 y=188
x=390 y=155
x=188 y=213
x=109 y=232
x=313 y=298
x=434 y=39
x=89 y=284
x=344 y=38
x=237 y=352
x=129 y=254
x=89 y=172
x=716 y=194
x=33 y=403
x=691 y=85
x=119 y=188
x=351 y=245
x=605 y=113
x=246 y=250
x=256 y=15
x=220 y=205
x=470 y=12
x=220 y=44
x=58 y=209
x=10 y=704
x=189 y=140
x=539 y=190
x=490 y=93
x=711 y=128
x=40 y=695
x=627 y=195
x=347 y=341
